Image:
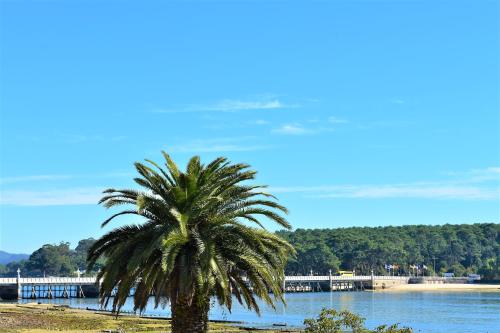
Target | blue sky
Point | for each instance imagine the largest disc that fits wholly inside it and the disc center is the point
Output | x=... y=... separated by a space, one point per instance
x=355 y=113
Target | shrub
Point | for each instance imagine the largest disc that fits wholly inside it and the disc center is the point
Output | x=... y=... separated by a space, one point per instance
x=333 y=321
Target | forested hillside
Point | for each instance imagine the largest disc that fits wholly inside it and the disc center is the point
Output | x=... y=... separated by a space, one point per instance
x=462 y=249
x=6 y=257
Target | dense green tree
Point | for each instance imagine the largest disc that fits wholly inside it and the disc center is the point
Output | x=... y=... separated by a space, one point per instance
x=52 y=260
x=317 y=258
x=79 y=255
x=193 y=243
x=491 y=269
x=366 y=249
x=461 y=249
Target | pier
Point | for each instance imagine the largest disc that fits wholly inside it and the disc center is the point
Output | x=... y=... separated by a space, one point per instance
x=341 y=283
x=79 y=287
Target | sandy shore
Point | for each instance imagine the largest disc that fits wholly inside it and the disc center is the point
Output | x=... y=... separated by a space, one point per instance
x=445 y=287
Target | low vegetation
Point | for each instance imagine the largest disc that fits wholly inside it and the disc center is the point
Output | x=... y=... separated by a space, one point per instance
x=333 y=321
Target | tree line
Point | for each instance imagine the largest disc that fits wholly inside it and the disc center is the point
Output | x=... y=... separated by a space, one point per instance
x=459 y=249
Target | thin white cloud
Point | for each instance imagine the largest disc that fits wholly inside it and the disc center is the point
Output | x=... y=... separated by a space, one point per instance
x=33 y=178
x=300 y=129
x=219 y=145
x=384 y=124
x=64 y=197
x=231 y=105
x=259 y=122
x=237 y=105
x=291 y=129
x=336 y=120
x=61 y=177
x=430 y=192
x=477 y=184
x=212 y=148
x=417 y=191
x=79 y=138
x=397 y=101
x=478 y=175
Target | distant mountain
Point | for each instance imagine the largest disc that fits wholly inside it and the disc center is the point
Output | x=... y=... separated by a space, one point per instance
x=6 y=257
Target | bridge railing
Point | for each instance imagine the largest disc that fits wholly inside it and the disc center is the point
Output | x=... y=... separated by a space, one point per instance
x=50 y=280
x=342 y=278
x=303 y=278
x=59 y=280
x=8 y=281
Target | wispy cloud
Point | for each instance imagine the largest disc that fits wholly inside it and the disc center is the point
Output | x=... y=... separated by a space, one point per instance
x=477 y=175
x=231 y=105
x=219 y=145
x=82 y=138
x=61 y=177
x=336 y=120
x=314 y=126
x=291 y=129
x=414 y=191
x=62 y=197
x=259 y=122
x=479 y=184
x=34 y=178
x=237 y=105
x=395 y=191
x=78 y=138
x=397 y=101
x=384 y=124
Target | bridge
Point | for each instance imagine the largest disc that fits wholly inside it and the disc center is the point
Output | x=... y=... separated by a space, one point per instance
x=49 y=287
x=79 y=287
x=341 y=283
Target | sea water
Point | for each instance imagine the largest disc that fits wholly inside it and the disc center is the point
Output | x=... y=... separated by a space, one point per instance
x=429 y=312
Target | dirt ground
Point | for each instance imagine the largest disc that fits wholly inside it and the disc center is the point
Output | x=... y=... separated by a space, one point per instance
x=38 y=318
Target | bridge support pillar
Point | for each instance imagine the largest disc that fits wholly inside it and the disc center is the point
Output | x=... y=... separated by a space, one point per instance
x=65 y=293
x=373 y=281
x=19 y=285
x=80 y=293
x=330 y=280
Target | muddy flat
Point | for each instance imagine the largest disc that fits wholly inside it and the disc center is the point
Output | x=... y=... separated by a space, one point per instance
x=38 y=318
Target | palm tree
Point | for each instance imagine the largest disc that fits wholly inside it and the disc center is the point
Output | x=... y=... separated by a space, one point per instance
x=200 y=237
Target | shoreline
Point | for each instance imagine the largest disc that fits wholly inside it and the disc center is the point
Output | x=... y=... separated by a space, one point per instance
x=444 y=287
x=34 y=317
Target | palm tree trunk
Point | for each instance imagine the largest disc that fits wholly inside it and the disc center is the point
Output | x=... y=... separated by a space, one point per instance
x=189 y=318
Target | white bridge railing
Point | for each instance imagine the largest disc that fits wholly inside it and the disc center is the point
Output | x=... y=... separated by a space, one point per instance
x=341 y=278
x=92 y=280
x=50 y=280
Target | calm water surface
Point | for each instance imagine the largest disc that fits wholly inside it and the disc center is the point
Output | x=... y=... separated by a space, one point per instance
x=455 y=312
